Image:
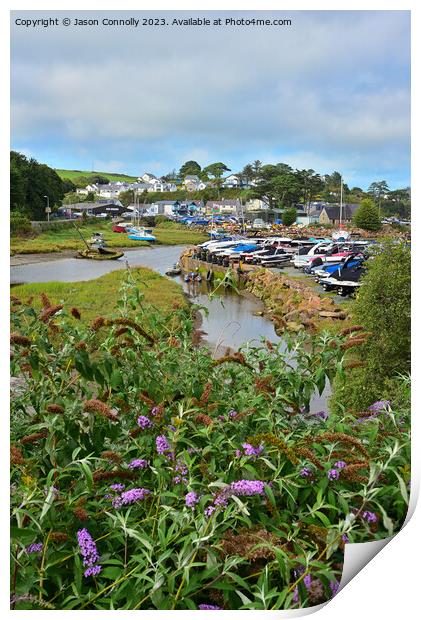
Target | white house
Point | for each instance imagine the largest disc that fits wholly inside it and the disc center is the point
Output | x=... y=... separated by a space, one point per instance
x=255 y=204
x=232 y=181
x=223 y=206
x=147 y=177
x=191 y=182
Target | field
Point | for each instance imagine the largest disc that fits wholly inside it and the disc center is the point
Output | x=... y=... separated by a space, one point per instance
x=68 y=239
x=158 y=291
x=111 y=176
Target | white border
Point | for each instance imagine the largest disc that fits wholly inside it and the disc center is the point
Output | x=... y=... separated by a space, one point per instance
x=388 y=585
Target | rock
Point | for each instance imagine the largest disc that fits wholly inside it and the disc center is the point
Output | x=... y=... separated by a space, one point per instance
x=292 y=326
x=333 y=315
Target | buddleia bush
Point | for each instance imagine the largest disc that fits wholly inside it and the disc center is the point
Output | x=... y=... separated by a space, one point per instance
x=147 y=475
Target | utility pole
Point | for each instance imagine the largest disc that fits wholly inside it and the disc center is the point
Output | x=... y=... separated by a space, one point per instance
x=48 y=210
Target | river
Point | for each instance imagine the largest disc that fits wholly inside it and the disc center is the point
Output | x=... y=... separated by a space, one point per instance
x=229 y=321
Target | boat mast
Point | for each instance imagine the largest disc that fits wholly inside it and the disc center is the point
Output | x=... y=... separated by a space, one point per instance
x=340 y=207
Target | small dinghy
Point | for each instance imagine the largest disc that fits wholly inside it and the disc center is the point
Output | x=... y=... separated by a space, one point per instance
x=193 y=277
x=140 y=234
x=175 y=270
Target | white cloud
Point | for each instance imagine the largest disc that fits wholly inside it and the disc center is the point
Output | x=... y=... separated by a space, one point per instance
x=332 y=83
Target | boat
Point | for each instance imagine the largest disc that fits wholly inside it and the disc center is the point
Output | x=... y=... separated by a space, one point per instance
x=140 y=234
x=175 y=270
x=96 y=249
x=121 y=227
x=193 y=277
x=100 y=254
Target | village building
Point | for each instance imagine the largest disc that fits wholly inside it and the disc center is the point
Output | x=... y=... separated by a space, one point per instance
x=331 y=214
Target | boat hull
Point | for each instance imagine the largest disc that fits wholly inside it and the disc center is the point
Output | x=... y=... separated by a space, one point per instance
x=103 y=255
x=141 y=237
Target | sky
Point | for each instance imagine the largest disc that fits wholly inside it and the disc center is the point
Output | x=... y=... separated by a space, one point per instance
x=330 y=92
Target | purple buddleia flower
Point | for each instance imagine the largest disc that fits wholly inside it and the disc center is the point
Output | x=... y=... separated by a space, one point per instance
x=133 y=495
x=181 y=467
x=322 y=415
x=334 y=587
x=117 y=502
x=380 y=405
x=209 y=510
x=221 y=418
x=204 y=606
x=191 y=499
x=34 y=548
x=144 y=422
x=238 y=453
x=250 y=450
x=92 y=571
x=248 y=487
x=295 y=597
x=333 y=474
x=232 y=414
x=370 y=517
x=307 y=581
x=162 y=444
x=154 y=411
x=340 y=464
x=87 y=547
x=305 y=472
x=118 y=487
x=138 y=464
x=345 y=538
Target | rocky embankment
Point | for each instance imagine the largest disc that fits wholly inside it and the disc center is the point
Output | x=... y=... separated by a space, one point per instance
x=292 y=305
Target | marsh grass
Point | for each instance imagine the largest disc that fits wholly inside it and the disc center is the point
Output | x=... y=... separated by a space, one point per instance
x=68 y=239
x=99 y=297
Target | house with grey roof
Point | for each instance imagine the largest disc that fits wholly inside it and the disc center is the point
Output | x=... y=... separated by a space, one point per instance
x=331 y=214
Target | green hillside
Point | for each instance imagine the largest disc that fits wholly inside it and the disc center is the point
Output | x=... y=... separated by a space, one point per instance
x=74 y=174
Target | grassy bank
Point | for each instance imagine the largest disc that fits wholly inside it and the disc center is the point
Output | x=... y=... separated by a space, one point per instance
x=111 y=176
x=99 y=297
x=68 y=239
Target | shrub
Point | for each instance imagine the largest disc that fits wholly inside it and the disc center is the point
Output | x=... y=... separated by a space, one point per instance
x=19 y=223
x=367 y=216
x=146 y=475
x=289 y=216
x=383 y=308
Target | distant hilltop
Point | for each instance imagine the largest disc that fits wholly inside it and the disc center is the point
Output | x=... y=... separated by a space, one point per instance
x=111 y=176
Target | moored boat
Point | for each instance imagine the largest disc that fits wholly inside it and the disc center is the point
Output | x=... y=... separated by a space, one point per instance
x=100 y=254
x=175 y=270
x=140 y=234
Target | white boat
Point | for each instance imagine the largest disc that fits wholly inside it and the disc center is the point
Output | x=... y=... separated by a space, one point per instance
x=140 y=234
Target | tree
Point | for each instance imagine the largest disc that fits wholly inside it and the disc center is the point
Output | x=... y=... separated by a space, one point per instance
x=311 y=184
x=289 y=216
x=378 y=190
x=278 y=185
x=333 y=187
x=248 y=173
x=398 y=203
x=366 y=216
x=190 y=167
x=126 y=198
x=256 y=165
x=216 y=170
x=30 y=183
x=383 y=308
